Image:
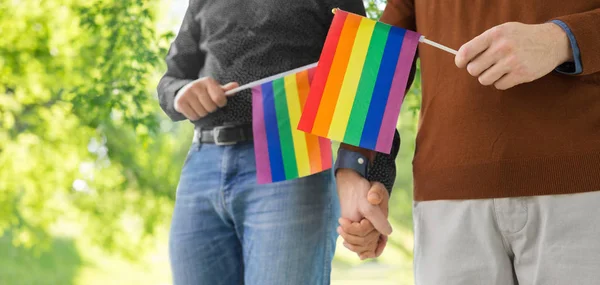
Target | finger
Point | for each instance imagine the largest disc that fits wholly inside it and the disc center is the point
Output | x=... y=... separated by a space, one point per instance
x=362 y=228
x=196 y=106
x=215 y=92
x=367 y=254
x=493 y=74
x=383 y=239
x=230 y=86
x=377 y=194
x=385 y=196
x=472 y=49
x=376 y=216
x=507 y=81
x=188 y=112
x=483 y=62
x=204 y=98
x=369 y=239
x=357 y=248
x=345 y=223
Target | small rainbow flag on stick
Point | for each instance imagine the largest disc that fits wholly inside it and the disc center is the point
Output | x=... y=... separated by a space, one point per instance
x=360 y=82
x=282 y=151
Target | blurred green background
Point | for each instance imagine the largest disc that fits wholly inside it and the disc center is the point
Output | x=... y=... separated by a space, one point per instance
x=88 y=162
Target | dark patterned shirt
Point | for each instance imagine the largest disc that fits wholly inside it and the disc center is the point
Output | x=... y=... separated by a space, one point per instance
x=246 y=40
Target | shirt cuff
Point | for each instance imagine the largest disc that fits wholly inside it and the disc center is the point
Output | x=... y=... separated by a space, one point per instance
x=570 y=68
x=352 y=160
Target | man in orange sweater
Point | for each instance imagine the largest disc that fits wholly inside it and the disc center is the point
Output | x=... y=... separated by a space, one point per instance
x=507 y=162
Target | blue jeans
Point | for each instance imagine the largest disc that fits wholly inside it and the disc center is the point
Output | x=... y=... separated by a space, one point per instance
x=228 y=230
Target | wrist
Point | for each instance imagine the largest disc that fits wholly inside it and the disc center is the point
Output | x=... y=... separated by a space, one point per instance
x=350 y=184
x=346 y=173
x=178 y=95
x=560 y=40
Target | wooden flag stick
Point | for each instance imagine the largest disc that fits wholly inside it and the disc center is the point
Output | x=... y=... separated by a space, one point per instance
x=270 y=78
x=434 y=44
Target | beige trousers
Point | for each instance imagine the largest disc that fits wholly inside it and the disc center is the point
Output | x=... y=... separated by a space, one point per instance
x=541 y=240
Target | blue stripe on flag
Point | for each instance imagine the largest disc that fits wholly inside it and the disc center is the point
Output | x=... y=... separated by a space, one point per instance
x=381 y=92
x=274 y=146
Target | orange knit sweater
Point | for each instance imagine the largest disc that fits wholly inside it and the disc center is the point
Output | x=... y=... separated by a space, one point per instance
x=474 y=141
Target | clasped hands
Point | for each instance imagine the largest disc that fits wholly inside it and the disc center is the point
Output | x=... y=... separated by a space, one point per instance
x=364 y=225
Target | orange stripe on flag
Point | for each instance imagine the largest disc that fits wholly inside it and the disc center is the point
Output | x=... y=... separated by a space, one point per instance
x=303 y=87
x=312 y=142
x=336 y=75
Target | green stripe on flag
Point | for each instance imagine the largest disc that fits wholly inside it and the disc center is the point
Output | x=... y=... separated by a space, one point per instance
x=364 y=93
x=285 y=130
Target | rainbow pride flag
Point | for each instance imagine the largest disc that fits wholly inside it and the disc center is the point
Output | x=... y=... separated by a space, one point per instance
x=360 y=82
x=283 y=152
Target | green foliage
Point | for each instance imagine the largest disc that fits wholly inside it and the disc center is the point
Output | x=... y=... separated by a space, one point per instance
x=374 y=8
x=20 y=265
x=121 y=52
x=79 y=131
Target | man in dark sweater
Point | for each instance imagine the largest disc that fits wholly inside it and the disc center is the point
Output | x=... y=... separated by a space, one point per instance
x=507 y=162
x=226 y=229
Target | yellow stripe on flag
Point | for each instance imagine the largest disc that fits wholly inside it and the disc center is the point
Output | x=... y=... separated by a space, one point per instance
x=293 y=100
x=345 y=101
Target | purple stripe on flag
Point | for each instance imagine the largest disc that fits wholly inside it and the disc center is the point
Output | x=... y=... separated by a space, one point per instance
x=397 y=92
x=261 y=150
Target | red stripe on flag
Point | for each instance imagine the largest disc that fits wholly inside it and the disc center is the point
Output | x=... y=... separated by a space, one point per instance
x=311 y=74
x=326 y=155
x=318 y=84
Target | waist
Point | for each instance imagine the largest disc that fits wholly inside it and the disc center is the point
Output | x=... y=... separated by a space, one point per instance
x=555 y=175
x=223 y=135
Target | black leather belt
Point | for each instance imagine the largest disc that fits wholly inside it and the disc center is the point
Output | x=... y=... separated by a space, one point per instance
x=223 y=135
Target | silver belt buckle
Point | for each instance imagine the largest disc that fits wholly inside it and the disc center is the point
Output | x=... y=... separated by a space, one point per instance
x=217 y=132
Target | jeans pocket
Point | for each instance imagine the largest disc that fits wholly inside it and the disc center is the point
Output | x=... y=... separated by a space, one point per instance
x=194 y=148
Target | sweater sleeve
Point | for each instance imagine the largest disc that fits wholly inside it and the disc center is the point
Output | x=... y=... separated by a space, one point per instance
x=184 y=62
x=585 y=29
x=400 y=13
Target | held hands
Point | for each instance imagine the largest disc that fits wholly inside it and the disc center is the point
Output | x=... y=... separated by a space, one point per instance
x=202 y=97
x=362 y=237
x=514 y=53
x=364 y=224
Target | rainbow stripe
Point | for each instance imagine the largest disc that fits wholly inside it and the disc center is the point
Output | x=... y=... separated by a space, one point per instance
x=360 y=82
x=282 y=152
